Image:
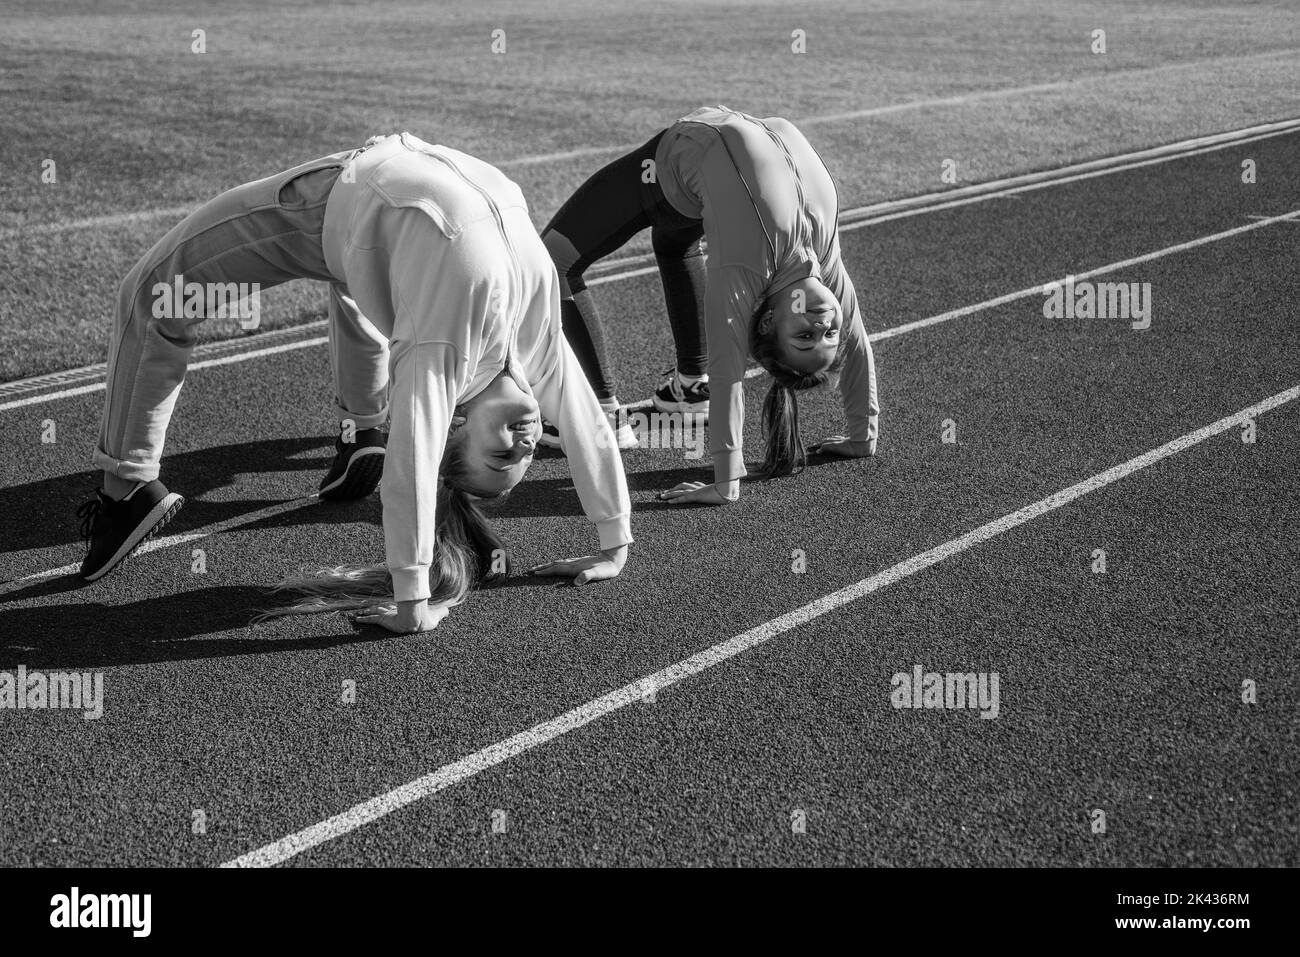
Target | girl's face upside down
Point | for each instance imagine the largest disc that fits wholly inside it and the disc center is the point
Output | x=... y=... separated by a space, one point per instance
x=498 y=437
x=806 y=320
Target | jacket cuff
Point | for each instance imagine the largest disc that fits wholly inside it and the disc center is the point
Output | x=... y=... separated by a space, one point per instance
x=728 y=465
x=865 y=429
x=615 y=532
x=410 y=583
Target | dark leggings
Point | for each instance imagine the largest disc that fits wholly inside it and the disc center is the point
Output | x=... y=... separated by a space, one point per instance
x=607 y=210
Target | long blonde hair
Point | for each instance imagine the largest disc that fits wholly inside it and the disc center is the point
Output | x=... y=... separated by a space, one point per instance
x=467 y=554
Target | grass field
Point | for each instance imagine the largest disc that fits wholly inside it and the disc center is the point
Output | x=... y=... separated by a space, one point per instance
x=141 y=128
x=1122 y=690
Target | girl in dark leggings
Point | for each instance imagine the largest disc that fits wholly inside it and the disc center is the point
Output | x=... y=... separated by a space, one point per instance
x=606 y=211
x=774 y=286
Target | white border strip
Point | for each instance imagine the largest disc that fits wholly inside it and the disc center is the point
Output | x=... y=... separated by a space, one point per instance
x=449 y=775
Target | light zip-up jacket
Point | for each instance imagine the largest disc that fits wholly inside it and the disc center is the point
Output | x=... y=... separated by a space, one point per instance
x=439 y=252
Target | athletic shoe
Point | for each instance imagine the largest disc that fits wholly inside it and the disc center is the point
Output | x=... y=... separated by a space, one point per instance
x=358 y=466
x=673 y=396
x=624 y=436
x=114 y=530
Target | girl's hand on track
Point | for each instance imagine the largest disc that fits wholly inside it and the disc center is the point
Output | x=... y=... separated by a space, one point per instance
x=844 y=446
x=605 y=564
x=695 y=492
x=403 y=617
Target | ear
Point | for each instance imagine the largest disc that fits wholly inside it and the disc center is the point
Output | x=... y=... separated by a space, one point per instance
x=457 y=420
x=765 y=321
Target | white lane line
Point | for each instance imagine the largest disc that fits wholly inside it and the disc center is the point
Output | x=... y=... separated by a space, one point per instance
x=628 y=274
x=875 y=212
x=51 y=396
x=167 y=541
x=849 y=220
x=961 y=99
x=1035 y=290
x=107 y=221
x=203 y=364
x=1012 y=188
x=205 y=350
x=449 y=775
x=1038 y=289
x=875 y=336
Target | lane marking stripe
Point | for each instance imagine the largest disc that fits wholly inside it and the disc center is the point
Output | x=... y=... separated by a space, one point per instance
x=750 y=373
x=874 y=337
x=449 y=775
x=981 y=192
x=202 y=364
x=612 y=271
x=1037 y=290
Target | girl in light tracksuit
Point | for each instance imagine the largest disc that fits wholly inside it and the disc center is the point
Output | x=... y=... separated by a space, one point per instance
x=444 y=317
x=774 y=287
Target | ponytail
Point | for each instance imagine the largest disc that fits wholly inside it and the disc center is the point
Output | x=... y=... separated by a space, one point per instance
x=467 y=553
x=785 y=450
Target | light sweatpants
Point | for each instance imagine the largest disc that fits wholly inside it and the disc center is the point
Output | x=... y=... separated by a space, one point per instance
x=266 y=232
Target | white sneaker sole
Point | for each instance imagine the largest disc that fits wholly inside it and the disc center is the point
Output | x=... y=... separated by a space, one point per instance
x=358 y=468
x=698 y=409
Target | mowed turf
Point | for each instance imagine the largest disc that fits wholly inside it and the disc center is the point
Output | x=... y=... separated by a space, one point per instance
x=141 y=128
x=1119 y=692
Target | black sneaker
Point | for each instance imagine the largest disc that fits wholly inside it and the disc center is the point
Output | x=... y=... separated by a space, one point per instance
x=358 y=466
x=550 y=437
x=624 y=436
x=672 y=396
x=116 y=529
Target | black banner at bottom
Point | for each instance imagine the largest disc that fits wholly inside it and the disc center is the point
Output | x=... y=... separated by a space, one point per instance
x=301 y=905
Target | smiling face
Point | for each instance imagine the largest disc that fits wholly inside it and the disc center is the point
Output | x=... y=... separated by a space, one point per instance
x=805 y=320
x=498 y=438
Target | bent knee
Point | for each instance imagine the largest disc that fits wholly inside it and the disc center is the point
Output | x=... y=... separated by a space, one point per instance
x=565 y=256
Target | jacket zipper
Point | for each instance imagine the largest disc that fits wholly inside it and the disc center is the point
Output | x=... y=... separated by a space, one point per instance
x=515 y=269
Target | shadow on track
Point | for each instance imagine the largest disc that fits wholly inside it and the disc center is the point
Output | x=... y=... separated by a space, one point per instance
x=159 y=628
x=169 y=627
x=48 y=507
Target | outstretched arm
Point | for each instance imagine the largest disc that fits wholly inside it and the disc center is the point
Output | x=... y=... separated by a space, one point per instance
x=858 y=376
x=565 y=398
x=435 y=304
x=422 y=397
x=732 y=296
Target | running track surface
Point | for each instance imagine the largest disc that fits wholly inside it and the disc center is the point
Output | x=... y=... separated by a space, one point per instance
x=1118 y=691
